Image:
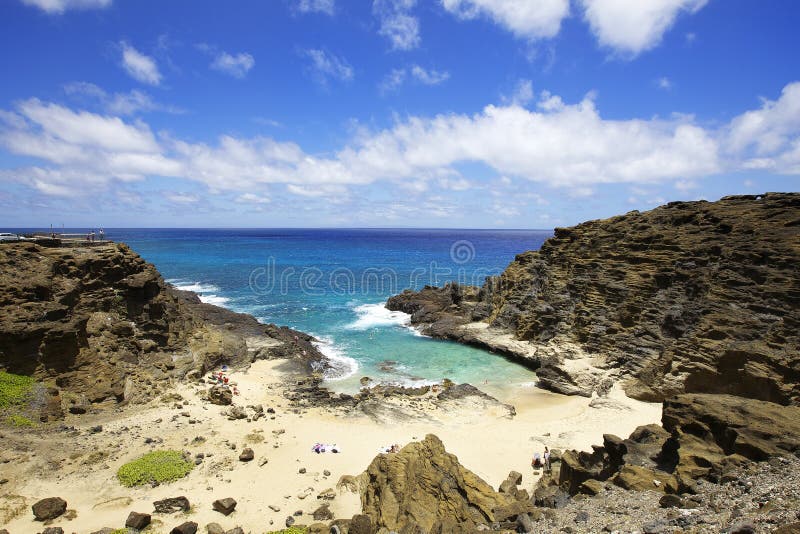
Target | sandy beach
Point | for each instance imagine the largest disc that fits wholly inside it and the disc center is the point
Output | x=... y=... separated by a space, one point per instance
x=81 y=466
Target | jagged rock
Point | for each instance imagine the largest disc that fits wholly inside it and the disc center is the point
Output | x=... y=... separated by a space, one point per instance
x=220 y=395
x=224 y=506
x=137 y=520
x=103 y=325
x=49 y=508
x=189 y=527
x=509 y=485
x=425 y=484
x=691 y=297
x=171 y=505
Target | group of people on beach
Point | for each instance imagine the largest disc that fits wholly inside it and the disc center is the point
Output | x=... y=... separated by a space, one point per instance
x=541 y=461
x=223 y=380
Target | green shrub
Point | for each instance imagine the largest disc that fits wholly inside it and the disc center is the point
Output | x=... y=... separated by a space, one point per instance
x=154 y=467
x=290 y=530
x=14 y=389
x=19 y=421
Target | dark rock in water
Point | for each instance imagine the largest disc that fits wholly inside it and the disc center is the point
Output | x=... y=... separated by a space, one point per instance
x=137 y=520
x=189 y=527
x=49 y=508
x=246 y=455
x=426 y=485
x=224 y=506
x=220 y=395
x=171 y=505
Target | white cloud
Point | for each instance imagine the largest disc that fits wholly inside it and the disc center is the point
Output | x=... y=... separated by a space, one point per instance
x=529 y=19
x=556 y=143
x=523 y=94
x=769 y=137
x=235 y=65
x=321 y=6
x=251 y=198
x=325 y=66
x=60 y=6
x=397 y=77
x=181 y=198
x=429 y=77
x=664 y=83
x=634 y=26
x=139 y=66
x=129 y=103
x=397 y=24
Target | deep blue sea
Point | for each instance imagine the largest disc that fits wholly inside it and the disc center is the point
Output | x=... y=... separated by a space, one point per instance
x=333 y=284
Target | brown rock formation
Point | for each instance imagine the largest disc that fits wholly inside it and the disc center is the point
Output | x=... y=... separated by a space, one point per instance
x=703 y=436
x=423 y=487
x=101 y=324
x=688 y=297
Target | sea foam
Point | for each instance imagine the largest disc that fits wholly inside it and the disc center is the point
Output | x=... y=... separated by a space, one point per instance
x=340 y=366
x=377 y=315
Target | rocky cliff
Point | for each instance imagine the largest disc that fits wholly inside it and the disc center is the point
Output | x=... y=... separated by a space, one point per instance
x=100 y=324
x=688 y=297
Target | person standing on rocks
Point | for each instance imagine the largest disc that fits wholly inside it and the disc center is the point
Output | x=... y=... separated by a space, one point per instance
x=547 y=460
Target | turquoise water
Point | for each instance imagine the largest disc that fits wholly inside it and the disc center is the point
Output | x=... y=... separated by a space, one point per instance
x=333 y=284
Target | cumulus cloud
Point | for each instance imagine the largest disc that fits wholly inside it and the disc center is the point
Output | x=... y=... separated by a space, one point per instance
x=320 y=6
x=325 y=66
x=522 y=95
x=58 y=7
x=139 y=66
x=556 y=143
x=529 y=19
x=769 y=137
x=397 y=24
x=631 y=27
x=235 y=65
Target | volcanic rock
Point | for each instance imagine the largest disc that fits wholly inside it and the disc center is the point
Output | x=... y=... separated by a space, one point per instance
x=49 y=508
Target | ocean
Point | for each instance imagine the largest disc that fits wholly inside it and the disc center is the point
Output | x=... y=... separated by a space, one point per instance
x=333 y=283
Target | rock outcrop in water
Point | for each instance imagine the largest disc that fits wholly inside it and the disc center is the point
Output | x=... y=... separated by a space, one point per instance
x=689 y=297
x=101 y=324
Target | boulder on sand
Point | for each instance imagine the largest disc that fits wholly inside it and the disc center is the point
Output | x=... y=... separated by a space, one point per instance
x=49 y=508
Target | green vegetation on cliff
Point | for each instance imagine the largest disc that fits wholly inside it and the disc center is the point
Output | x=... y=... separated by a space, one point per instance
x=14 y=389
x=154 y=467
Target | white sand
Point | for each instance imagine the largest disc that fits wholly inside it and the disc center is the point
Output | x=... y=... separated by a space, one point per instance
x=488 y=443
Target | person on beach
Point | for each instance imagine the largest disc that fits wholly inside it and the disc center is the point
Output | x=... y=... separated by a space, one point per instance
x=547 y=460
x=536 y=463
x=102 y=234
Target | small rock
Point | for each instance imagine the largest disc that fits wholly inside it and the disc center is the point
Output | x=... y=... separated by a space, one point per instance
x=582 y=517
x=670 y=500
x=189 y=527
x=215 y=528
x=137 y=520
x=235 y=530
x=224 y=506
x=325 y=472
x=302 y=470
x=289 y=521
x=53 y=530
x=263 y=461
x=742 y=528
x=49 y=508
x=323 y=513
x=297 y=513
x=274 y=508
x=96 y=429
x=246 y=455
x=171 y=505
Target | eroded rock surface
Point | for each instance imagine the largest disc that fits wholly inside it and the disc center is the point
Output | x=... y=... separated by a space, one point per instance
x=101 y=325
x=691 y=297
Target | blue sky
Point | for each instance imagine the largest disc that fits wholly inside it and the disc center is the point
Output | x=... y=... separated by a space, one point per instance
x=440 y=113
